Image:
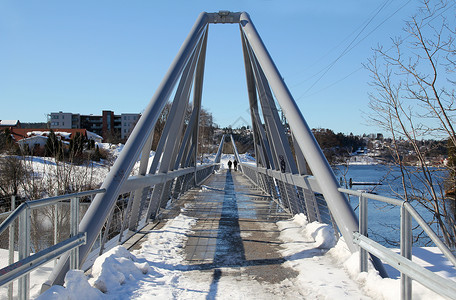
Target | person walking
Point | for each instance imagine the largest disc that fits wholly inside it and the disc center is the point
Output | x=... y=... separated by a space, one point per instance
x=229 y=164
x=235 y=163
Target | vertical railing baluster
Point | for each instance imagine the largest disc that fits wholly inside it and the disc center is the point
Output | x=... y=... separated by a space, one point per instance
x=56 y=211
x=74 y=224
x=363 y=255
x=24 y=251
x=56 y=219
x=11 y=247
x=125 y=217
x=406 y=251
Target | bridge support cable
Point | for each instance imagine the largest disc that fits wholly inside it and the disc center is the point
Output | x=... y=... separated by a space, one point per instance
x=102 y=205
x=263 y=152
x=337 y=202
x=282 y=155
x=319 y=166
x=280 y=172
x=140 y=194
x=171 y=136
x=274 y=127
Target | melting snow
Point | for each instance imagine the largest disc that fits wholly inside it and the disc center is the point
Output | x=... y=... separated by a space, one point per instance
x=327 y=270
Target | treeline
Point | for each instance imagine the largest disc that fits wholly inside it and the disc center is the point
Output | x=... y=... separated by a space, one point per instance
x=337 y=145
x=334 y=146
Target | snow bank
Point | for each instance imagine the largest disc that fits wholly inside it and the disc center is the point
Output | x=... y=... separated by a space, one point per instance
x=118 y=273
x=305 y=247
x=114 y=267
x=76 y=287
x=373 y=284
x=320 y=235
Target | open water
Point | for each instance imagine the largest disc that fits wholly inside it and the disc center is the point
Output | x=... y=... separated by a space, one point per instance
x=384 y=219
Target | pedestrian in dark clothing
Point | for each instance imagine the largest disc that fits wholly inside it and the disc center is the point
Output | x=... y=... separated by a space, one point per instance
x=229 y=164
x=235 y=165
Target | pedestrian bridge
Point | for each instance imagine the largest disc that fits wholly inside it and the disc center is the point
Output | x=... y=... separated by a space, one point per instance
x=291 y=176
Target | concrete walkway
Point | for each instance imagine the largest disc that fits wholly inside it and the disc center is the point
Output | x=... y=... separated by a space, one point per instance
x=235 y=241
x=232 y=250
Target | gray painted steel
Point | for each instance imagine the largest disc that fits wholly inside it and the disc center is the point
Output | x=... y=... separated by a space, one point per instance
x=337 y=202
x=30 y=263
x=265 y=85
x=101 y=206
x=403 y=262
x=427 y=278
x=276 y=172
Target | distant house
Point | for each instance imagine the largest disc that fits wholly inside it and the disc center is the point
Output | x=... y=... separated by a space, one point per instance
x=33 y=142
x=34 y=138
x=10 y=123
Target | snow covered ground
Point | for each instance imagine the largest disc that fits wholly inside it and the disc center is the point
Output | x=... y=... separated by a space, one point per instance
x=362 y=160
x=49 y=174
x=326 y=269
x=245 y=158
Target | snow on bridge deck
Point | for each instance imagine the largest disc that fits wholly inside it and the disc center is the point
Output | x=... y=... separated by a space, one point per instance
x=228 y=240
x=233 y=249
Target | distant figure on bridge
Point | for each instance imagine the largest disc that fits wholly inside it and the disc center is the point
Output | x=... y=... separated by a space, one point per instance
x=235 y=163
x=229 y=164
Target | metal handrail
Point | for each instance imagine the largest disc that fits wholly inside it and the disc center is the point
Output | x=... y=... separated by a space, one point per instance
x=42 y=202
x=427 y=278
x=403 y=263
x=429 y=231
x=30 y=263
x=7 y=213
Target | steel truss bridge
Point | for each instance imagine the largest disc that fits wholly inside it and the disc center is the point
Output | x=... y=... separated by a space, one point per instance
x=301 y=181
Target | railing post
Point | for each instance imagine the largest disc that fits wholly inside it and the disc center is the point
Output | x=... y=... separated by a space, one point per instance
x=11 y=246
x=406 y=251
x=363 y=255
x=56 y=211
x=24 y=251
x=56 y=220
x=74 y=226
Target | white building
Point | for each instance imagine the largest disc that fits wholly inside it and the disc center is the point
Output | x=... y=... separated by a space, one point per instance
x=104 y=125
x=33 y=141
x=61 y=120
x=128 y=123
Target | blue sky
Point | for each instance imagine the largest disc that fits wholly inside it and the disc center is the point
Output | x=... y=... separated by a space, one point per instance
x=88 y=56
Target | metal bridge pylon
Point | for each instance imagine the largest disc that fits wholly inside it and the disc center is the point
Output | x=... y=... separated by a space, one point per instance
x=174 y=167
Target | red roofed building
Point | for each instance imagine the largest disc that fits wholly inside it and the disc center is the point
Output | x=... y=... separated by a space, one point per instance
x=36 y=138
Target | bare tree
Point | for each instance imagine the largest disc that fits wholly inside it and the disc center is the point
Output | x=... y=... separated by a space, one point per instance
x=206 y=133
x=160 y=125
x=414 y=98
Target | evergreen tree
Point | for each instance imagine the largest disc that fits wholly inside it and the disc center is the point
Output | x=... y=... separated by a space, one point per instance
x=53 y=147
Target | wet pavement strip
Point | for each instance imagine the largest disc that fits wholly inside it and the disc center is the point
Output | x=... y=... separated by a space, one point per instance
x=235 y=243
x=235 y=235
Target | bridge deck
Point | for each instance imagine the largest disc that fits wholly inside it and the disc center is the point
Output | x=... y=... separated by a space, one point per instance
x=235 y=237
x=233 y=250
x=236 y=229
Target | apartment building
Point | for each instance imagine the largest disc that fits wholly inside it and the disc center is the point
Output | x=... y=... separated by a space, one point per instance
x=108 y=125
